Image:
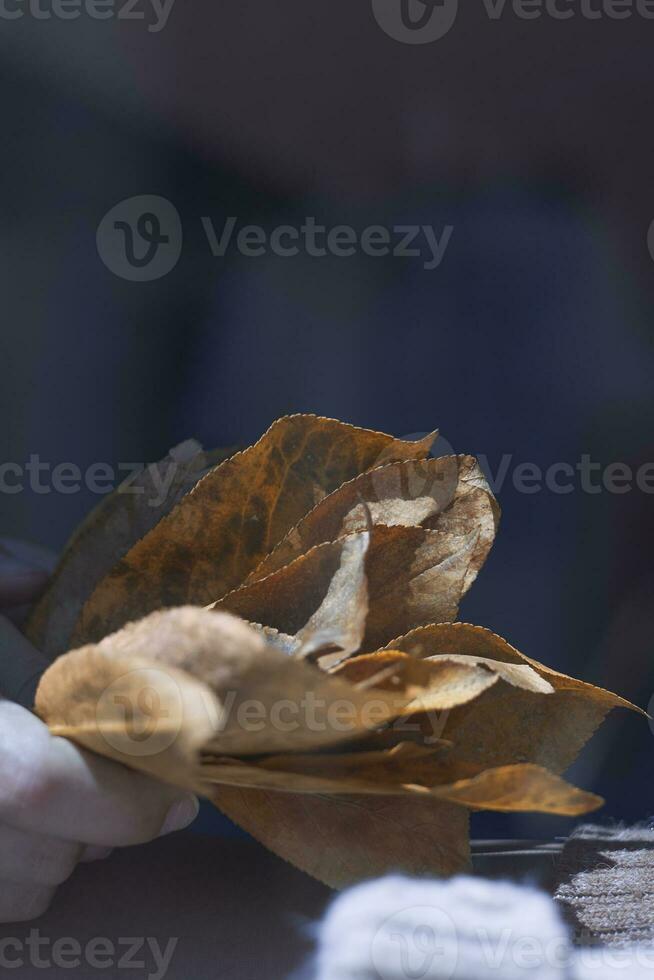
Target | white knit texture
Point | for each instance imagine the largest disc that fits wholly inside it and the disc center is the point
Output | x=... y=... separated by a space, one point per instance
x=465 y=929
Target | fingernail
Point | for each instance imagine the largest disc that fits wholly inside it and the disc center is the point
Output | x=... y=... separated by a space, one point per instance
x=180 y=815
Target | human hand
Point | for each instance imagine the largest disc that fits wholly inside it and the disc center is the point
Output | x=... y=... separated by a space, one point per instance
x=60 y=805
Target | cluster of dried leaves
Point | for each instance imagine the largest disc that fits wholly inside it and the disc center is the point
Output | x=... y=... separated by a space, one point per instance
x=291 y=651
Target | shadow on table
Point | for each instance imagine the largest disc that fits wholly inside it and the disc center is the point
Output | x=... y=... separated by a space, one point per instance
x=188 y=907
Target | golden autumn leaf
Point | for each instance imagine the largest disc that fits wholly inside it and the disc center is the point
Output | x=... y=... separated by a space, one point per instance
x=347 y=838
x=414 y=575
x=341 y=840
x=507 y=725
x=235 y=516
x=289 y=700
x=110 y=530
x=414 y=772
x=447 y=494
x=209 y=665
x=436 y=684
x=338 y=625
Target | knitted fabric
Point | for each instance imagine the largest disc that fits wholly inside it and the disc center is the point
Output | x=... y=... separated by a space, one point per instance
x=464 y=929
x=605 y=884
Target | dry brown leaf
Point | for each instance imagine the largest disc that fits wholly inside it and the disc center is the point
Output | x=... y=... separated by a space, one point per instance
x=473 y=506
x=342 y=840
x=426 y=686
x=192 y=660
x=203 y=656
x=255 y=698
x=414 y=576
x=396 y=762
x=518 y=788
x=110 y=530
x=430 y=713
x=396 y=733
x=436 y=672
x=148 y=715
x=380 y=773
x=448 y=494
x=506 y=725
x=517 y=675
x=339 y=623
x=235 y=516
x=334 y=539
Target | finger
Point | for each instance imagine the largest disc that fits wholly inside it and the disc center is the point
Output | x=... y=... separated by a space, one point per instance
x=33 y=859
x=17 y=588
x=20 y=903
x=50 y=786
x=21 y=664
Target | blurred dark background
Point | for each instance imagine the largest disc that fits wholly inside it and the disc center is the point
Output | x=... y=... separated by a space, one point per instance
x=531 y=341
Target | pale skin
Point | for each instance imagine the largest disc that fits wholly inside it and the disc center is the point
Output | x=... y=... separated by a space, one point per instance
x=60 y=805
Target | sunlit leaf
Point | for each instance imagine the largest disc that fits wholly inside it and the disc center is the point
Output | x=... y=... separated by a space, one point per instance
x=234 y=517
